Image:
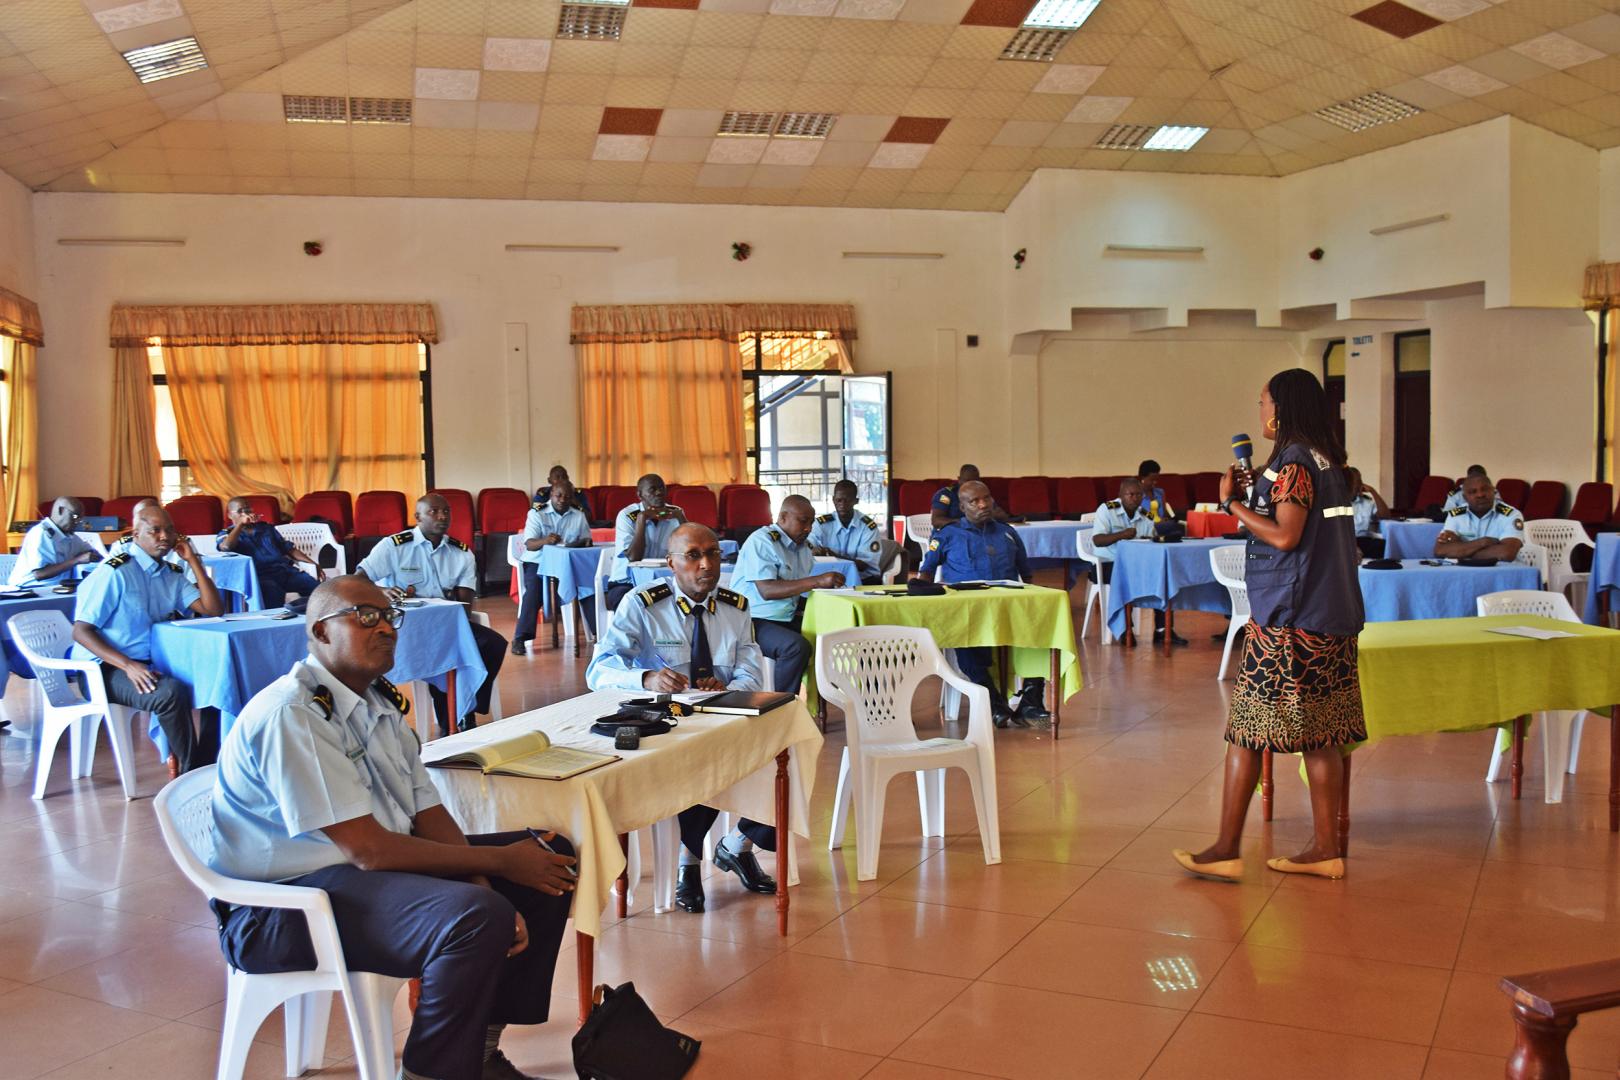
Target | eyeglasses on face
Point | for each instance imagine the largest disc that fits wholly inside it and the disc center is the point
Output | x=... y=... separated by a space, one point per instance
x=698 y=554
x=367 y=615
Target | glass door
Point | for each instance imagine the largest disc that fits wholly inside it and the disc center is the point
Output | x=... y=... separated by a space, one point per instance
x=867 y=428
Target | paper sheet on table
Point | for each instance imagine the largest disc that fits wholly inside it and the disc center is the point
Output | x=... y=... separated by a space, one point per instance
x=1528 y=631
x=280 y=613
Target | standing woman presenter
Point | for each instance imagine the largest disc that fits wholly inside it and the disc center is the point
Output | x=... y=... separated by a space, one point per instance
x=1297 y=691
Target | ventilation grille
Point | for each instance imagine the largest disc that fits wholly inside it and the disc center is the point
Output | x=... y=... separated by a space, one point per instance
x=747 y=123
x=312 y=109
x=181 y=56
x=1125 y=137
x=1036 y=43
x=373 y=110
x=1368 y=110
x=805 y=125
x=591 y=22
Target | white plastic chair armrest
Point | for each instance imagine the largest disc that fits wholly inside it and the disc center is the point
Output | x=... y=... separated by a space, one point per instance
x=314 y=903
x=960 y=682
x=83 y=667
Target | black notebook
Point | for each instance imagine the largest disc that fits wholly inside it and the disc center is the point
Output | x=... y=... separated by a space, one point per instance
x=736 y=702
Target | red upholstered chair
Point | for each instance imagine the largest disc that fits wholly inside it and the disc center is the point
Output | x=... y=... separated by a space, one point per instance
x=327 y=507
x=697 y=502
x=380 y=513
x=197 y=515
x=121 y=506
x=1546 y=500
x=1206 y=487
x=1077 y=495
x=1000 y=489
x=608 y=499
x=1594 y=502
x=1027 y=497
x=915 y=497
x=744 y=508
x=1513 y=492
x=346 y=502
x=1175 y=491
x=463 y=519
x=1432 y=492
x=502 y=513
x=268 y=507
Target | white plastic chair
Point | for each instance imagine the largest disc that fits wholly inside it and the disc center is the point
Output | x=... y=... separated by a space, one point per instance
x=310 y=537
x=44 y=638
x=422 y=700
x=604 y=569
x=185 y=814
x=1560 y=537
x=1560 y=729
x=920 y=527
x=872 y=673
x=7 y=564
x=1098 y=592
x=1535 y=557
x=1228 y=564
x=206 y=547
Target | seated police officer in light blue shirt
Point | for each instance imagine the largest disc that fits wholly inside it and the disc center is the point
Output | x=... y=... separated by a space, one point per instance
x=1368 y=508
x=641 y=531
x=273 y=555
x=321 y=784
x=1124 y=518
x=1457 y=497
x=559 y=475
x=849 y=535
x=51 y=548
x=680 y=634
x=427 y=561
x=113 y=615
x=775 y=568
x=558 y=521
x=979 y=548
x=1482 y=528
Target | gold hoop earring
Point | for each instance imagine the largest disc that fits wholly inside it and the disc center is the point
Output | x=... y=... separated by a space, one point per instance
x=1271 y=426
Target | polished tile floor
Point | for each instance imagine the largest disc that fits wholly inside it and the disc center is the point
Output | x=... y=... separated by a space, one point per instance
x=1086 y=953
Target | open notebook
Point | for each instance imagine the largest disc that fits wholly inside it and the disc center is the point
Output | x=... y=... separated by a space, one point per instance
x=529 y=754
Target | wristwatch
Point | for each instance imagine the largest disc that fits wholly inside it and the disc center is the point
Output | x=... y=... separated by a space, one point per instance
x=1226 y=504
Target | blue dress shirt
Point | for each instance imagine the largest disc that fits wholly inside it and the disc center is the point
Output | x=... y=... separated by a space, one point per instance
x=43 y=545
x=409 y=558
x=859 y=541
x=543 y=521
x=1500 y=522
x=768 y=555
x=656 y=539
x=653 y=628
x=1111 y=517
x=126 y=594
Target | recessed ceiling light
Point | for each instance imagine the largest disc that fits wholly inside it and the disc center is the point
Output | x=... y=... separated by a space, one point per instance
x=1040 y=43
x=1125 y=137
x=1173 y=137
x=1368 y=110
x=593 y=21
x=314 y=109
x=370 y=110
x=747 y=123
x=1060 y=14
x=800 y=125
x=167 y=59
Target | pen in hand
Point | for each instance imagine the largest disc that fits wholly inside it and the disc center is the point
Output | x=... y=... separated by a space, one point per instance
x=541 y=840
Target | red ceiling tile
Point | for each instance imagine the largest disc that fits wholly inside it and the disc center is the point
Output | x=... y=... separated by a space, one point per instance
x=916 y=129
x=619 y=121
x=1397 y=19
x=997 y=12
x=678 y=5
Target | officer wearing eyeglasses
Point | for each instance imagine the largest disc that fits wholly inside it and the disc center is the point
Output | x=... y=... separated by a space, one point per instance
x=51 y=549
x=321 y=784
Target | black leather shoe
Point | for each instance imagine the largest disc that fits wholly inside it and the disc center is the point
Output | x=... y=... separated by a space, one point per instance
x=1175 y=638
x=517 y=647
x=689 y=888
x=746 y=867
x=1000 y=715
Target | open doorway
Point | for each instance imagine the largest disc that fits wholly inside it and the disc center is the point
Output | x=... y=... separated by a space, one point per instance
x=1411 y=414
x=1333 y=383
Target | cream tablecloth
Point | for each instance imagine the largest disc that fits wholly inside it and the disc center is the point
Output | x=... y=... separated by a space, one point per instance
x=728 y=762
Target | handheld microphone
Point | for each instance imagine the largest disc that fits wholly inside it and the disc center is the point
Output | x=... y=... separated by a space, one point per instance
x=1243 y=450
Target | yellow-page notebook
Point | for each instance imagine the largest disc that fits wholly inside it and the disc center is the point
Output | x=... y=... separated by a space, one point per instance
x=529 y=754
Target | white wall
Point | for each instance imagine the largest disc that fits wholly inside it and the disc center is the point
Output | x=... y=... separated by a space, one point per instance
x=17 y=239
x=505 y=401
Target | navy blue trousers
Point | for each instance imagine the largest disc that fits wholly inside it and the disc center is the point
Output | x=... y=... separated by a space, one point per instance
x=276 y=581
x=453 y=935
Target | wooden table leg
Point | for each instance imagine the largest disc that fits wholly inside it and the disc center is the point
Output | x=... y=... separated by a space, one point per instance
x=579 y=622
x=1344 y=810
x=1129 y=637
x=556 y=613
x=1519 y=725
x=1169 y=626
x=1267 y=788
x=621 y=887
x=585 y=958
x=782 y=843
x=1540 y=1045
x=453 y=719
x=1054 y=693
x=1614 y=768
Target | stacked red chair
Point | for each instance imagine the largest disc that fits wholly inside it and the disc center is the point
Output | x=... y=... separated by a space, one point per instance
x=196 y=515
x=121 y=507
x=1077 y=495
x=326 y=507
x=1027 y=497
x=1593 y=505
x=1546 y=500
x=744 y=508
x=1513 y=492
x=463 y=520
x=502 y=511
x=698 y=503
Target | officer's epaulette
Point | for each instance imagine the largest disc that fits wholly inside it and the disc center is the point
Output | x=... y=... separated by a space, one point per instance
x=868 y=522
x=773 y=534
x=118 y=560
x=322 y=700
x=1115 y=505
x=736 y=600
x=403 y=538
x=1455 y=510
x=946 y=499
x=1503 y=508
x=176 y=567
x=823 y=519
x=457 y=543
x=658 y=592
x=538 y=506
x=125 y=537
x=391 y=692
x=635 y=514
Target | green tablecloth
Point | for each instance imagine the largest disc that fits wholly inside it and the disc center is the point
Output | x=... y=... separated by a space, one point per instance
x=1034 y=620
x=1429 y=675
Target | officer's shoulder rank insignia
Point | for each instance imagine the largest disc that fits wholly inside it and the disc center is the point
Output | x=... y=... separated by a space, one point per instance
x=634 y=514
x=1454 y=511
x=658 y=592
x=118 y=560
x=823 y=519
x=402 y=538
x=391 y=692
x=773 y=534
x=538 y=506
x=321 y=698
x=868 y=522
x=946 y=499
x=457 y=544
x=736 y=600
x=1115 y=505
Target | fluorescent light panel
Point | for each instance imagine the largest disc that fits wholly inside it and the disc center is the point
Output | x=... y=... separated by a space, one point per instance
x=592 y=22
x=1040 y=43
x=1060 y=14
x=166 y=59
x=799 y=125
x=1175 y=137
x=1125 y=137
x=747 y=123
x=1368 y=110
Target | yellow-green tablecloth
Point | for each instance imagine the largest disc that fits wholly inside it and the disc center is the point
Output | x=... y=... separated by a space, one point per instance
x=1429 y=675
x=1033 y=620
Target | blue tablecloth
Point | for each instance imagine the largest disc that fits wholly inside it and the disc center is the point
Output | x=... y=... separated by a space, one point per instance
x=1050 y=539
x=1605 y=573
x=226 y=662
x=574 y=569
x=1437 y=592
x=1410 y=540
x=1154 y=575
x=642 y=576
x=46 y=600
x=231 y=573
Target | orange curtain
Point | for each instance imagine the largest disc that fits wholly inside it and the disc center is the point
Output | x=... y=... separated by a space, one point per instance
x=19 y=318
x=288 y=419
x=274 y=324
x=135 y=457
x=1602 y=294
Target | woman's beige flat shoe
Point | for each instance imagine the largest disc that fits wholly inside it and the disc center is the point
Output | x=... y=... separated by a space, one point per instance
x=1223 y=870
x=1327 y=868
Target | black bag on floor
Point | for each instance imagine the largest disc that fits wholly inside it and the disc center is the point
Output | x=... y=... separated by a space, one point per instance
x=623 y=1040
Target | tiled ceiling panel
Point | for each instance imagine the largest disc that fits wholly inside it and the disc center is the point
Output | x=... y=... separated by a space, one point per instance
x=924 y=112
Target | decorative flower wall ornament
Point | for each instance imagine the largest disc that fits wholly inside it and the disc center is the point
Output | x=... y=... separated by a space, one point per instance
x=1018 y=258
x=312 y=247
x=741 y=249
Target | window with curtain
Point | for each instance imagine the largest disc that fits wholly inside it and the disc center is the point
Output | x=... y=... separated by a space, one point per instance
x=1602 y=298
x=20 y=335
x=279 y=400
x=662 y=387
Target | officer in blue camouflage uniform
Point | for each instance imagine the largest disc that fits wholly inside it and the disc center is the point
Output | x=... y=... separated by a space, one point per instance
x=686 y=634
x=273 y=555
x=848 y=535
x=1484 y=527
x=427 y=561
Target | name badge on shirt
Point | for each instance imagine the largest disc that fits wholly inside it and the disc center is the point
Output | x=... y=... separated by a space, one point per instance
x=356 y=755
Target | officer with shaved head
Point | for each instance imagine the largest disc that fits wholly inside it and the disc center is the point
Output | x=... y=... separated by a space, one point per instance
x=775 y=569
x=52 y=548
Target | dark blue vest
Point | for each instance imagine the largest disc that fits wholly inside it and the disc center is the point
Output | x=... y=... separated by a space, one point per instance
x=1315 y=586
